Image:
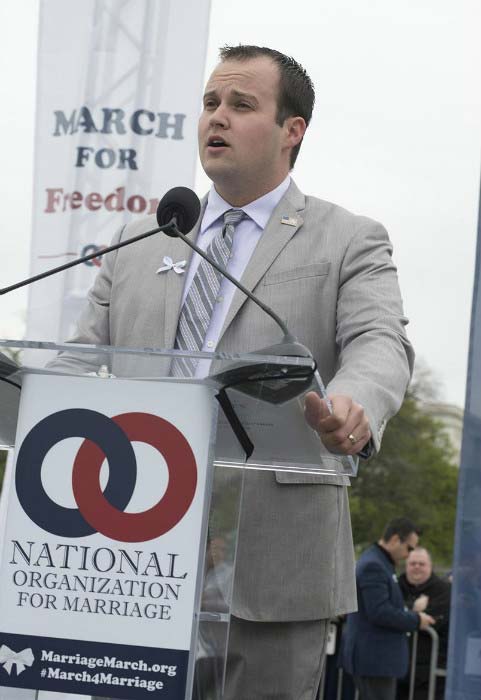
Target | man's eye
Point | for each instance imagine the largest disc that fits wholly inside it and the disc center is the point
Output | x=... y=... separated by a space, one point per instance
x=210 y=104
x=243 y=105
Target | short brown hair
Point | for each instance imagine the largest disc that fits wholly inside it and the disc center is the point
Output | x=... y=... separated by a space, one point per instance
x=296 y=91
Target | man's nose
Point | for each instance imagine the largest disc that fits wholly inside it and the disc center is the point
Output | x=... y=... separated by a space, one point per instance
x=219 y=117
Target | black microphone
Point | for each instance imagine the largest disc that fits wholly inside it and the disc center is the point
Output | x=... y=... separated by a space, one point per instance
x=186 y=214
x=181 y=206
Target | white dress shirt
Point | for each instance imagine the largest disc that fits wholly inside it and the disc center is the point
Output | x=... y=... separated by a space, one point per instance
x=246 y=236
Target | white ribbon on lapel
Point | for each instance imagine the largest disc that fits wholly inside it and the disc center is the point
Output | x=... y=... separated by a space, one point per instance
x=21 y=659
x=169 y=264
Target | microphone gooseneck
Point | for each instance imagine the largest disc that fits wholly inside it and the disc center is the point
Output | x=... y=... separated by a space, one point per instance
x=181 y=205
x=177 y=214
x=178 y=210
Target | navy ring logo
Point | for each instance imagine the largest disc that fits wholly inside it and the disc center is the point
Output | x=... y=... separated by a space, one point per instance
x=99 y=511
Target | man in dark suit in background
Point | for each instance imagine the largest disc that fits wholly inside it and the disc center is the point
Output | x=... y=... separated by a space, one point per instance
x=374 y=645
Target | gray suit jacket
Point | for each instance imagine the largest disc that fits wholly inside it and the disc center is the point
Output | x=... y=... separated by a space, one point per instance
x=332 y=280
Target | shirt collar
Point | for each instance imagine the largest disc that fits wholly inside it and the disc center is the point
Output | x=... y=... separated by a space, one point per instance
x=259 y=210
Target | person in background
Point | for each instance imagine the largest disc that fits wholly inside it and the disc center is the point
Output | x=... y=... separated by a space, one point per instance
x=374 y=645
x=424 y=591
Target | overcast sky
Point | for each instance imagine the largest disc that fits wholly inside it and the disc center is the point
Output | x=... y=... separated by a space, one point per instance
x=396 y=135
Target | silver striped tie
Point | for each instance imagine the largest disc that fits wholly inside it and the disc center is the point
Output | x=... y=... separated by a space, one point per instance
x=196 y=313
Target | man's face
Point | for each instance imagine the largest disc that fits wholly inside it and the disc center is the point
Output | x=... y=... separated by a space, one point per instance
x=401 y=548
x=242 y=148
x=418 y=567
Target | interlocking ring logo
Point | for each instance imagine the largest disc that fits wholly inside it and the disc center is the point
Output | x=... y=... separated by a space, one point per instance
x=104 y=511
x=88 y=250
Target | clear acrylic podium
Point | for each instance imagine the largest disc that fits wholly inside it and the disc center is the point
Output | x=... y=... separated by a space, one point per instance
x=239 y=412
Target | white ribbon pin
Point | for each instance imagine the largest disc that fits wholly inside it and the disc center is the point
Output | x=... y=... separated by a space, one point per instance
x=169 y=264
x=21 y=659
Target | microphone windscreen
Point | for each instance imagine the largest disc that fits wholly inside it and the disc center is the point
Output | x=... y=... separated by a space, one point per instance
x=181 y=203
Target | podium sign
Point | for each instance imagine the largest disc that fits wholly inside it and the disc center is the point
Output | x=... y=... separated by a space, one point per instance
x=99 y=592
x=123 y=506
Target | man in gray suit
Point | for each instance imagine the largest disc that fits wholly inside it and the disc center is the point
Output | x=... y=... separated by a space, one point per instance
x=329 y=274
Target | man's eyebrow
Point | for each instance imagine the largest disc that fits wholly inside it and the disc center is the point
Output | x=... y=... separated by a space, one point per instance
x=235 y=93
x=244 y=96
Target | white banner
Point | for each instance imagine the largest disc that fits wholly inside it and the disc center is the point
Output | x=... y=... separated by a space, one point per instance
x=101 y=545
x=118 y=96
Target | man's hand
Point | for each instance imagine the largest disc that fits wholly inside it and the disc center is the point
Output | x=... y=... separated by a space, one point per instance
x=344 y=431
x=425 y=620
x=421 y=603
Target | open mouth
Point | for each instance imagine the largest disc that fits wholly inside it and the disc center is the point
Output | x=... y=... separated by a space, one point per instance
x=216 y=142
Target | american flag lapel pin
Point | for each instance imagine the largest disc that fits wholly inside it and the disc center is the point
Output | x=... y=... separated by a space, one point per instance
x=289 y=221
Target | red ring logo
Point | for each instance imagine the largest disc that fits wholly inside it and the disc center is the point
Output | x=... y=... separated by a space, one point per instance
x=96 y=510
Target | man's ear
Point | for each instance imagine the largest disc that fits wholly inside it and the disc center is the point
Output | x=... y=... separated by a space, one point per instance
x=295 y=129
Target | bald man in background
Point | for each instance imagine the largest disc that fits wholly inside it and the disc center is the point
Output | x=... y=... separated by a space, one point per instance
x=424 y=591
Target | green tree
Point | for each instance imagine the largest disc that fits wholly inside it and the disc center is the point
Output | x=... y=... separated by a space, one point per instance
x=414 y=476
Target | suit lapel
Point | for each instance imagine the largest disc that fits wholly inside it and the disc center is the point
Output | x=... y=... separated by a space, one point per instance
x=178 y=250
x=274 y=238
